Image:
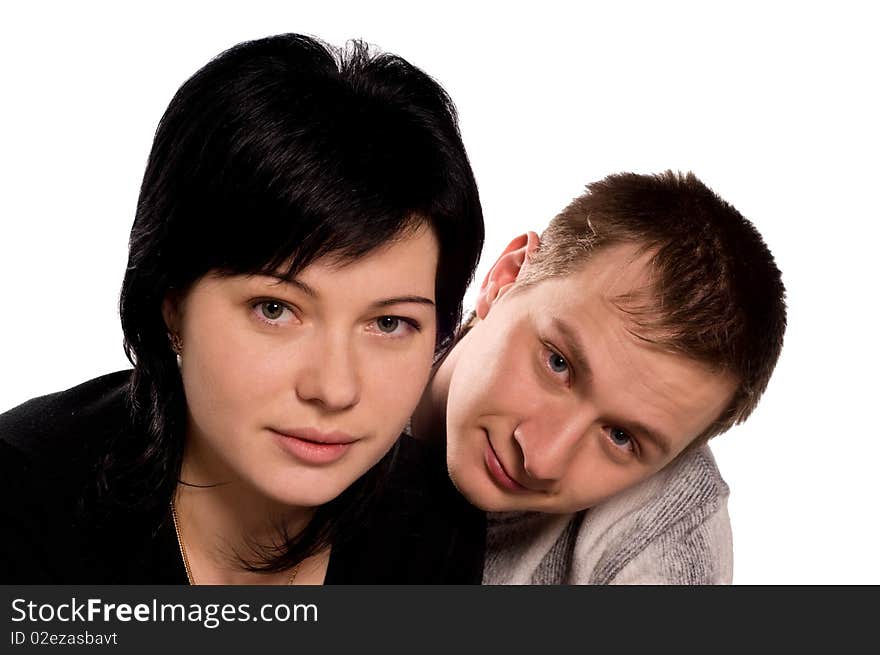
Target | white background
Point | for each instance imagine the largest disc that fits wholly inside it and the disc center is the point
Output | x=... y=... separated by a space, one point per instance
x=774 y=105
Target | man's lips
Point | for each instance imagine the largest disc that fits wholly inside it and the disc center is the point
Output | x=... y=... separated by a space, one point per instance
x=313 y=446
x=497 y=472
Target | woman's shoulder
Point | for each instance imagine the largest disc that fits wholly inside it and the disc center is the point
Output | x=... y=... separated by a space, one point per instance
x=49 y=448
x=452 y=532
x=419 y=483
x=421 y=529
x=52 y=427
x=415 y=460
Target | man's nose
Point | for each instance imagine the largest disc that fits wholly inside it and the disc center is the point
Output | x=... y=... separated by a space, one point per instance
x=330 y=375
x=549 y=445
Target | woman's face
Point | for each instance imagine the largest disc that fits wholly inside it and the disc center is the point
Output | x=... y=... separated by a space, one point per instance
x=295 y=389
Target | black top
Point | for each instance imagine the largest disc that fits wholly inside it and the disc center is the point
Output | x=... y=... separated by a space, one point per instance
x=420 y=531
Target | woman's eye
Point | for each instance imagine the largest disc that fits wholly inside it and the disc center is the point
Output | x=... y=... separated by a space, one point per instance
x=388 y=324
x=393 y=326
x=273 y=311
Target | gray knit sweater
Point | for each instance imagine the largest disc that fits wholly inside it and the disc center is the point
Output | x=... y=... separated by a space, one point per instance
x=673 y=528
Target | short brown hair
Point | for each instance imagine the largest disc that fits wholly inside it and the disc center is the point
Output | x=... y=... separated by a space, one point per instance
x=717 y=295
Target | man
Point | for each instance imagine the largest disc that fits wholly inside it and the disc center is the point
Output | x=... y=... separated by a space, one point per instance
x=602 y=356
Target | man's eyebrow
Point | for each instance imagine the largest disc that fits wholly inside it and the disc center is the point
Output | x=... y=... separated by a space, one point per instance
x=382 y=302
x=573 y=345
x=660 y=441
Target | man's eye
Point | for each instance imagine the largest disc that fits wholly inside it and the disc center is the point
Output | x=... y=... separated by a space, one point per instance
x=619 y=438
x=557 y=363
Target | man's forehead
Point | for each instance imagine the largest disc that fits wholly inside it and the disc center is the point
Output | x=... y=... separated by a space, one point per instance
x=618 y=278
x=619 y=270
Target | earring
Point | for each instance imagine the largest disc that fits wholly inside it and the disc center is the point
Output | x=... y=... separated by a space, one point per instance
x=176 y=345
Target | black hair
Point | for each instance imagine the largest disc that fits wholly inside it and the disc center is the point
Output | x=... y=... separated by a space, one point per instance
x=278 y=152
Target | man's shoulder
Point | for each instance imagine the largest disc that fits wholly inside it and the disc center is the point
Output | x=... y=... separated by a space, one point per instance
x=691 y=483
x=694 y=479
x=49 y=426
x=675 y=519
x=672 y=527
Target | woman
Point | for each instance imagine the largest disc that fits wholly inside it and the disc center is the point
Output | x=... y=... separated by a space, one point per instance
x=281 y=306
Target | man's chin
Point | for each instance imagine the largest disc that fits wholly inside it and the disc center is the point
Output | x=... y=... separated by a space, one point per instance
x=488 y=500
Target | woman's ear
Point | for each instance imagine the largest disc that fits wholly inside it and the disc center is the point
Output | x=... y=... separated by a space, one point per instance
x=505 y=271
x=171 y=311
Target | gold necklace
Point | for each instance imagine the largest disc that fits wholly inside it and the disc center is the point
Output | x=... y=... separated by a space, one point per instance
x=189 y=577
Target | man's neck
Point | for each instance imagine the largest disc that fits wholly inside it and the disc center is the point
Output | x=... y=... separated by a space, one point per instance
x=429 y=419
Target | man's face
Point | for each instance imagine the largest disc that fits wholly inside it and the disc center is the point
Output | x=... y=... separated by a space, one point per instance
x=555 y=404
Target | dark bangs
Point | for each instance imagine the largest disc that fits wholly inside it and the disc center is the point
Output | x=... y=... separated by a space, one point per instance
x=269 y=164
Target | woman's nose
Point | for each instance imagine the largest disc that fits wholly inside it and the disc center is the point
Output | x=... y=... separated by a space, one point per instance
x=330 y=376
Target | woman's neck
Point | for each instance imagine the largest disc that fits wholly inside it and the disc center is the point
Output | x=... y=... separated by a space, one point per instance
x=222 y=519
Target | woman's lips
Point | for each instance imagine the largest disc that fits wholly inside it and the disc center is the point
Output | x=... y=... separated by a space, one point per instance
x=314 y=447
x=497 y=472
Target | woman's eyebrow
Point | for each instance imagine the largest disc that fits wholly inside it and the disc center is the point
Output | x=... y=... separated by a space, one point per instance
x=397 y=300
x=302 y=286
x=382 y=302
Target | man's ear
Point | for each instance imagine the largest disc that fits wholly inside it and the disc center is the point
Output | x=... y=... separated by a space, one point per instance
x=505 y=271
